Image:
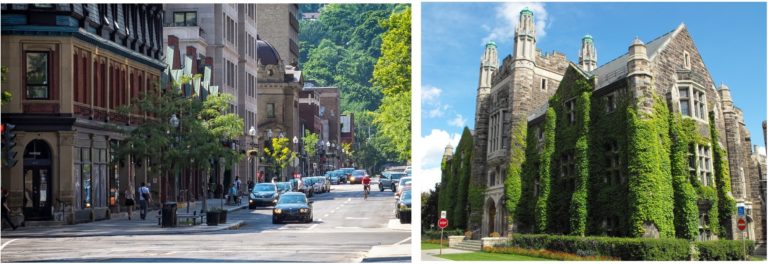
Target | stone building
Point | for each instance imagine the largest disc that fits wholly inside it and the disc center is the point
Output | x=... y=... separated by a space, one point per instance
x=573 y=134
x=280 y=27
x=226 y=33
x=278 y=87
x=70 y=66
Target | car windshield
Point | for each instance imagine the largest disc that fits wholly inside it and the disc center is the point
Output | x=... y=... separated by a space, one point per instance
x=263 y=188
x=284 y=186
x=358 y=173
x=292 y=199
x=407 y=195
x=396 y=176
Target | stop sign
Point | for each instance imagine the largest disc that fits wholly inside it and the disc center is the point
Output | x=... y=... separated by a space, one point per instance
x=741 y=224
x=442 y=223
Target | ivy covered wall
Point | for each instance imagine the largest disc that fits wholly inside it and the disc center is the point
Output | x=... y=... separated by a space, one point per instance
x=455 y=192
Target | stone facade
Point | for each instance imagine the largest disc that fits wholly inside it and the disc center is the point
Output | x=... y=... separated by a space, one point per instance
x=668 y=67
x=282 y=30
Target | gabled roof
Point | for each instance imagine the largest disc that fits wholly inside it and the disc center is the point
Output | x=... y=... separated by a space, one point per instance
x=617 y=68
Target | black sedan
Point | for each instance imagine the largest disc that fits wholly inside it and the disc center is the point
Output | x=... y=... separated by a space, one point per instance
x=263 y=194
x=292 y=206
x=404 y=207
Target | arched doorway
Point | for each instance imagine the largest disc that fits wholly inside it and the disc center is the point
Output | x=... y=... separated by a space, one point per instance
x=491 y=209
x=37 y=180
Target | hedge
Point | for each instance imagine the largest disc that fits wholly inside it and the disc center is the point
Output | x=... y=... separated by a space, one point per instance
x=435 y=234
x=621 y=248
x=724 y=249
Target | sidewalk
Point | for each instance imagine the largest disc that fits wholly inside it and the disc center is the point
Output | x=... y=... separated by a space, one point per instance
x=389 y=253
x=432 y=254
x=121 y=226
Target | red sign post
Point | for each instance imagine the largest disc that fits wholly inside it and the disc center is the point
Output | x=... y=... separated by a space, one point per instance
x=442 y=224
x=741 y=224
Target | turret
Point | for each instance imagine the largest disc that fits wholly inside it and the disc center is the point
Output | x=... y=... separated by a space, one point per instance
x=447 y=153
x=489 y=63
x=639 y=76
x=588 y=54
x=525 y=36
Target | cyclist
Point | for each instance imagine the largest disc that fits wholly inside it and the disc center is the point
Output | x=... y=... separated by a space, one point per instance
x=366 y=185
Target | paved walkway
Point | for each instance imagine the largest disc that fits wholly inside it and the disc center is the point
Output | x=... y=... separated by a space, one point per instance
x=119 y=225
x=433 y=254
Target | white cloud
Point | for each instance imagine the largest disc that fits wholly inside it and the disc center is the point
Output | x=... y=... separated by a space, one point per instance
x=507 y=15
x=437 y=111
x=458 y=121
x=430 y=94
x=430 y=154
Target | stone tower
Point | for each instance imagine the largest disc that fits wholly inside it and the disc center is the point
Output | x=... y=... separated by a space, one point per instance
x=489 y=64
x=447 y=153
x=525 y=36
x=639 y=77
x=588 y=54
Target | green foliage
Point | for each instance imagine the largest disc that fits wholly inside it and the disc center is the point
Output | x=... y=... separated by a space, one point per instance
x=512 y=184
x=726 y=205
x=429 y=212
x=725 y=249
x=578 y=209
x=393 y=75
x=686 y=208
x=462 y=167
x=280 y=152
x=545 y=171
x=650 y=195
x=435 y=234
x=310 y=142
x=475 y=199
x=622 y=248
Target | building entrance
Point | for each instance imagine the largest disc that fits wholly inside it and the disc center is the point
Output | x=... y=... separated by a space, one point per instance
x=37 y=181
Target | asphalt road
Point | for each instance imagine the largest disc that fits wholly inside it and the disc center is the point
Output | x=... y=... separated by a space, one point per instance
x=345 y=228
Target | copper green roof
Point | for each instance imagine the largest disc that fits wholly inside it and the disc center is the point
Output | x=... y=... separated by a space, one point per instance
x=526 y=10
x=587 y=37
x=490 y=43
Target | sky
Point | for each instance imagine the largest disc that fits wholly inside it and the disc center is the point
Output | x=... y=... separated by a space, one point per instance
x=731 y=38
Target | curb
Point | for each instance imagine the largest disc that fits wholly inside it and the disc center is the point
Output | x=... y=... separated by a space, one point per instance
x=234 y=226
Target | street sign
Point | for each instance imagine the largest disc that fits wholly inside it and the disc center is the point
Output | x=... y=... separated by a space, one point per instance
x=740 y=208
x=442 y=214
x=741 y=224
x=442 y=223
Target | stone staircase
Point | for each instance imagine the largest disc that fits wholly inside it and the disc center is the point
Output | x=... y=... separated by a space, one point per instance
x=469 y=245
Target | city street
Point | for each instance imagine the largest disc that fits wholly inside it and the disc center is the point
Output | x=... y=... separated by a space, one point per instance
x=345 y=229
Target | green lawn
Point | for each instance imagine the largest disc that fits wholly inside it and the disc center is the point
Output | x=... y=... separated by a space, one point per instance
x=483 y=256
x=425 y=246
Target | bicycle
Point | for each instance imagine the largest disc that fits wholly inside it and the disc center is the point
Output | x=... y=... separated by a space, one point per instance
x=366 y=190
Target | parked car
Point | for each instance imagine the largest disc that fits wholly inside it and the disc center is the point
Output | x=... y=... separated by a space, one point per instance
x=333 y=178
x=389 y=180
x=296 y=185
x=308 y=187
x=317 y=184
x=326 y=182
x=263 y=194
x=292 y=206
x=404 y=207
x=404 y=183
x=357 y=176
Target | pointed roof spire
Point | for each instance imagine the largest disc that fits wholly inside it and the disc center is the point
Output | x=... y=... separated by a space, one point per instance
x=526 y=10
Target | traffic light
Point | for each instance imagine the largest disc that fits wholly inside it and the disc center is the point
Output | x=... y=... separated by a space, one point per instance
x=9 y=141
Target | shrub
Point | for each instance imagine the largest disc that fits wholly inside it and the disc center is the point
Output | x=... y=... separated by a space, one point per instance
x=495 y=234
x=543 y=253
x=435 y=234
x=724 y=249
x=621 y=248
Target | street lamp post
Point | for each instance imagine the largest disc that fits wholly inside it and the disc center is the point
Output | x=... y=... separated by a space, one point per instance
x=253 y=154
x=295 y=150
x=327 y=151
x=175 y=123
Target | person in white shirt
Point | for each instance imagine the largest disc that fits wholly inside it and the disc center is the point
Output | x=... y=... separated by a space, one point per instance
x=144 y=199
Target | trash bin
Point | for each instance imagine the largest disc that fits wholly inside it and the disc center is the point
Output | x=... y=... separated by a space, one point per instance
x=169 y=215
x=223 y=217
x=212 y=218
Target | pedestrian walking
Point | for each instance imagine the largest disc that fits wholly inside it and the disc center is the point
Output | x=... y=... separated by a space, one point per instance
x=233 y=194
x=7 y=210
x=129 y=202
x=238 y=185
x=144 y=199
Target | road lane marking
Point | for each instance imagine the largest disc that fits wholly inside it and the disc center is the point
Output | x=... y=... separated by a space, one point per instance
x=348 y=227
x=326 y=215
x=349 y=199
x=334 y=211
x=357 y=218
x=313 y=226
x=6 y=243
x=402 y=241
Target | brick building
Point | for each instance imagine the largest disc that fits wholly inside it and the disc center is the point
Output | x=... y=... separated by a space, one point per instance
x=70 y=66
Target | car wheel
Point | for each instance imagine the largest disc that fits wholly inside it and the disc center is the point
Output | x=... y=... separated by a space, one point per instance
x=381 y=188
x=394 y=188
x=402 y=220
x=275 y=221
